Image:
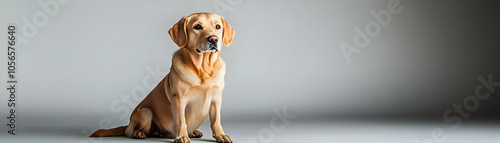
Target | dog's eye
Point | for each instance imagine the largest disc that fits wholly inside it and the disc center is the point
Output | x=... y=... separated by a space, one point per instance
x=217 y=26
x=198 y=27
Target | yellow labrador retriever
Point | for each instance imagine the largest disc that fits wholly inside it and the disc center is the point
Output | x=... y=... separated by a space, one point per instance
x=192 y=90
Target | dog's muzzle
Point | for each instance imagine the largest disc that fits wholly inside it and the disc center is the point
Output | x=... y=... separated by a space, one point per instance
x=212 y=41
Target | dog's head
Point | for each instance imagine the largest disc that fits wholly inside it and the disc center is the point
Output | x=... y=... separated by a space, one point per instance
x=202 y=32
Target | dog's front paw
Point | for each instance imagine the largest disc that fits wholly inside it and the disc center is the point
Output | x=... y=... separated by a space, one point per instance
x=183 y=139
x=223 y=139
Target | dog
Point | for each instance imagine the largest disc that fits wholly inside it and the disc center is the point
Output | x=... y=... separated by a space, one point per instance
x=191 y=91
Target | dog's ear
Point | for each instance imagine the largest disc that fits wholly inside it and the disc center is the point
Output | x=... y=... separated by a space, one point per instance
x=178 y=32
x=227 y=33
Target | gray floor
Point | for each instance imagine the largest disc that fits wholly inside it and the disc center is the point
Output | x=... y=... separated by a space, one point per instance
x=297 y=131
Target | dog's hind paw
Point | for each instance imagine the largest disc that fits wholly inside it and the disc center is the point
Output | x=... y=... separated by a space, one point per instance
x=139 y=134
x=196 y=134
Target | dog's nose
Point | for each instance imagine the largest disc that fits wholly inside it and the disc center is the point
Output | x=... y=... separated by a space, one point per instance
x=212 y=39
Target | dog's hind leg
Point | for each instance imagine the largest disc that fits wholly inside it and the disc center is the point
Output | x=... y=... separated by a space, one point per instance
x=140 y=123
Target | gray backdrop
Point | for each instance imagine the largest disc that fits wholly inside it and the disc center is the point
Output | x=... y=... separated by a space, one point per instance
x=90 y=61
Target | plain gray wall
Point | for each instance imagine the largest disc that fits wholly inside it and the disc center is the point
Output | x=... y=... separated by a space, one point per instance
x=75 y=70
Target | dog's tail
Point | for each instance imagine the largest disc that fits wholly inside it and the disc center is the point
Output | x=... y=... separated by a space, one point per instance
x=118 y=131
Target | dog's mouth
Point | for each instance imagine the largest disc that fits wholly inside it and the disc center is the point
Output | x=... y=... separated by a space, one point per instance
x=211 y=48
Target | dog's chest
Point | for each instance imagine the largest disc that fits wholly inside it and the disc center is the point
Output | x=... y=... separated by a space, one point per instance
x=198 y=107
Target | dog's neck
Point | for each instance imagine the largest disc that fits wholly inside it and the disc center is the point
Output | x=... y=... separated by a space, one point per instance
x=204 y=63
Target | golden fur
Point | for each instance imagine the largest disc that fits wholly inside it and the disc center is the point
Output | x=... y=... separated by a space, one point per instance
x=192 y=90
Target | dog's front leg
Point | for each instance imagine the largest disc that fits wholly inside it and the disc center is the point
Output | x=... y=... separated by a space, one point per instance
x=179 y=108
x=217 y=131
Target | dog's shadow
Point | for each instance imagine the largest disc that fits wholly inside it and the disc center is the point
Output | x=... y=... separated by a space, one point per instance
x=205 y=140
x=170 y=140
